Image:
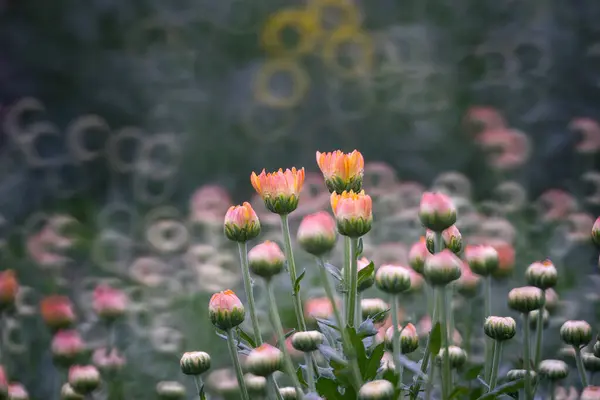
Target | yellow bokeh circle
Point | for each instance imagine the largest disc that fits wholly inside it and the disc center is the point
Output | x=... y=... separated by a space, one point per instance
x=362 y=61
x=263 y=91
x=300 y=21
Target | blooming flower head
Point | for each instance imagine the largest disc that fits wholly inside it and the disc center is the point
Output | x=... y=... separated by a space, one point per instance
x=317 y=233
x=8 y=288
x=57 y=312
x=279 y=190
x=437 y=211
x=109 y=303
x=226 y=310
x=353 y=212
x=241 y=223
x=342 y=172
x=108 y=361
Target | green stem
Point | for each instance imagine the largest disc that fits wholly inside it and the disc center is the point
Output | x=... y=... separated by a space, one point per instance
x=236 y=364
x=445 y=341
x=497 y=351
x=580 y=367
x=351 y=313
x=429 y=385
x=289 y=255
x=539 y=333
x=526 y=356
x=278 y=328
x=243 y=250
x=552 y=390
x=487 y=311
x=396 y=349
x=310 y=377
x=448 y=301
x=272 y=384
x=199 y=387
x=346 y=277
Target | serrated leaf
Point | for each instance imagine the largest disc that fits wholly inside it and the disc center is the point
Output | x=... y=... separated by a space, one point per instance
x=333 y=271
x=359 y=248
x=473 y=372
x=246 y=337
x=458 y=392
x=366 y=274
x=374 y=362
x=508 y=387
x=435 y=339
x=298 y=280
x=331 y=355
x=328 y=389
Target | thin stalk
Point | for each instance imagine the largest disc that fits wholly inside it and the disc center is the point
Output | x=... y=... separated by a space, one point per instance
x=487 y=311
x=352 y=297
x=497 y=351
x=445 y=342
x=526 y=356
x=310 y=376
x=346 y=276
x=396 y=349
x=278 y=328
x=272 y=384
x=552 y=390
x=236 y=365
x=580 y=367
x=199 y=386
x=430 y=299
x=289 y=255
x=429 y=385
x=243 y=250
x=448 y=301
x=348 y=350
x=539 y=332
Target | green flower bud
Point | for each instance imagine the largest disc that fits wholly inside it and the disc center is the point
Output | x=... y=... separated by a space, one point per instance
x=576 y=333
x=483 y=260
x=451 y=240
x=516 y=374
x=409 y=338
x=590 y=361
x=84 y=379
x=525 y=299
x=442 y=268
x=553 y=370
x=241 y=223
x=369 y=280
x=376 y=390
x=256 y=385
x=533 y=318
x=500 y=328
x=170 y=390
x=195 y=362
x=457 y=356
x=307 y=341
x=317 y=233
x=392 y=279
x=437 y=211
x=372 y=307
x=288 y=393
x=264 y=360
x=266 y=259
x=226 y=310
x=67 y=393
x=542 y=275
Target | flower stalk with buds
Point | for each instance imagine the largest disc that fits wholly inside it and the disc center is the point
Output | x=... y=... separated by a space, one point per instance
x=577 y=334
x=196 y=363
x=499 y=329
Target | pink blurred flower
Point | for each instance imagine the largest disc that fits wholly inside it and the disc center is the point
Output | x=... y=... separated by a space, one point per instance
x=109 y=303
x=57 y=311
x=108 y=361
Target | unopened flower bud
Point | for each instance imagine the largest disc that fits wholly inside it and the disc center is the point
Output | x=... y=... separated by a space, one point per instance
x=418 y=254
x=288 y=393
x=67 y=346
x=590 y=393
x=551 y=303
x=241 y=223
x=590 y=361
x=374 y=308
x=409 y=338
x=195 y=362
x=256 y=385
x=307 y=341
x=109 y=303
x=317 y=233
x=68 y=393
x=266 y=259
x=353 y=213
x=457 y=356
x=483 y=260
x=525 y=299
x=376 y=390
x=553 y=370
x=393 y=279
x=576 y=333
x=84 y=379
x=342 y=171
x=8 y=288
x=436 y=211
x=264 y=360
x=516 y=374
x=108 y=361
x=468 y=283
x=226 y=310
x=451 y=240
x=442 y=268
x=16 y=391
x=57 y=312
x=542 y=274
x=533 y=318
x=170 y=390
x=500 y=328
x=596 y=232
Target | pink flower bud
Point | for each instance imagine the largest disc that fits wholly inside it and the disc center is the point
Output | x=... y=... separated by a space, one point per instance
x=318 y=307
x=596 y=232
x=542 y=274
x=417 y=255
x=226 y=310
x=437 y=212
x=353 y=213
x=109 y=303
x=317 y=233
x=84 y=379
x=264 y=360
x=16 y=391
x=108 y=361
x=241 y=223
x=590 y=393
x=525 y=299
x=468 y=283
x=266 y=259
x=57 y=312
x=482 y=259
x=3 y=383
x=393 y=279
x=66 y=346
x=442 y=268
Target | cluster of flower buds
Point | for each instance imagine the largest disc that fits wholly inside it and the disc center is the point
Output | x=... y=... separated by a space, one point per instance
x=84 y=379
x=264 y=360
x=317 y=233
x=195 y=362
x=451 y=240
x=241 y=223
x=226 y=310
x=266 y=259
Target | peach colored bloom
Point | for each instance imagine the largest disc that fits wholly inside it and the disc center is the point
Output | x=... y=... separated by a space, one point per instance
x=267 y=251
x=241 y=223
x=57 y=311
x=279 y=190
x=353 y=212
x=342 y=172
x=226 y=310
x=109 y=302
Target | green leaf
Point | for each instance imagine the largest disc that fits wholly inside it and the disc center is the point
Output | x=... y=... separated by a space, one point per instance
x=333 y=271
x=290 y=333
x=458 y=392
x=508 y=387
x=366 y=273
x=473 y=372
x=331 y=355
x=202 y=394
x=300 y=375
x=328 y=388
x=297 y=282
x=359 y=349
x=359 y=248
x=374 y=362
x=246 y=337
x=435 y=339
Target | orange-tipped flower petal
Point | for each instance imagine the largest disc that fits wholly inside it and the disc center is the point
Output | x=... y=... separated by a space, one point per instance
x=353 y=212
x=342 y=172
x=280 y=190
